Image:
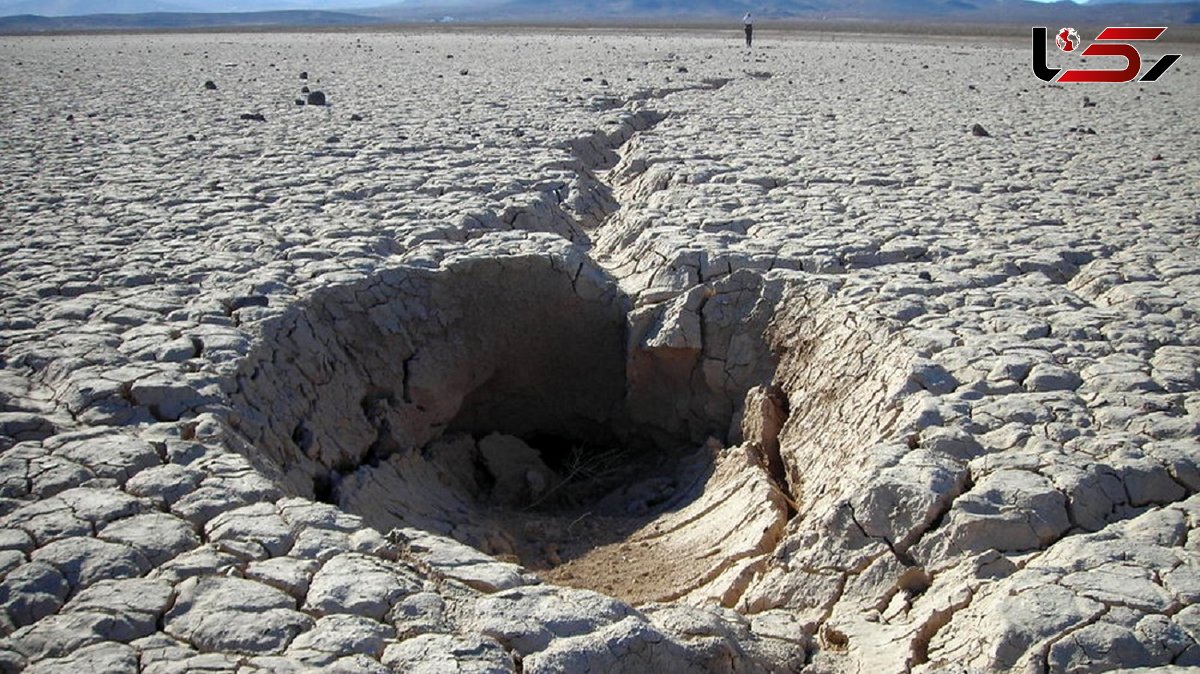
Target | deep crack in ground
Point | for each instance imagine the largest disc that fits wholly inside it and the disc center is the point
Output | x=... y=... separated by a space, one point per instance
x=519 y=414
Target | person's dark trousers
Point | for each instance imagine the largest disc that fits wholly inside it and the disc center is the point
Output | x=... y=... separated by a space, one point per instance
x=749 y=34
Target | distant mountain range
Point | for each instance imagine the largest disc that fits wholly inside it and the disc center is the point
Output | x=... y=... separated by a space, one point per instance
x=50 y=15
x=28 y=23
x=85 y=7
x=1134 y=12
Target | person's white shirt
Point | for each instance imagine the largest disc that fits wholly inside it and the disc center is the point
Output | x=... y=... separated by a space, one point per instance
x=746 y=19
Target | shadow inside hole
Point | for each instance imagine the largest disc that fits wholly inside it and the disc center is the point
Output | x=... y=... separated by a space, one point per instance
x=487 y=400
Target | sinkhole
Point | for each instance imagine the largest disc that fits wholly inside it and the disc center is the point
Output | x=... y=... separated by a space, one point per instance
x=515 y=400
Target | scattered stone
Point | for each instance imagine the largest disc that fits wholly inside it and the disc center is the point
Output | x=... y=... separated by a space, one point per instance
x=253 y=117
x=978 y=131
x=316 y=98
x=210 y=85
x=517 y=468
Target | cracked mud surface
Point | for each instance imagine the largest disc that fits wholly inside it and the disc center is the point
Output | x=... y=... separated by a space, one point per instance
x=668 y=358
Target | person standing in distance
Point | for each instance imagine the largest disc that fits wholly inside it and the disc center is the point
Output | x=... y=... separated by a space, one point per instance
x=749 y=28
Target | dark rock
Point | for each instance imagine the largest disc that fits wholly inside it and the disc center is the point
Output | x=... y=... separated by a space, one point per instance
x=464 y=71
x=333 y=139
x=316 y=98
x=1157 y=157
x=191 y=136
x=587 y=79
x=299 y=101
x=210 y=85
x=70 y=118
x=356 y=117
x=253 y=117
x=604 y=83
x=979 y=132
x=1088 y=103
x=680 y=69
x=248 y=301
x=304 y=75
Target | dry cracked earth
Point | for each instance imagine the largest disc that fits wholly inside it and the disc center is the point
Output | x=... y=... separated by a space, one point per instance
x=608 y=352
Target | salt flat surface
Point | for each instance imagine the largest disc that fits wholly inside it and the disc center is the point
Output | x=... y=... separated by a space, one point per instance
x=945 y=387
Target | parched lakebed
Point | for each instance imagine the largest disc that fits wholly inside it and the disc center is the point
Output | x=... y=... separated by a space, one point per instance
x=586 y=351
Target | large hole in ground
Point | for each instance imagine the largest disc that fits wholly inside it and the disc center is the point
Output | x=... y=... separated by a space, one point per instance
x=514 y=402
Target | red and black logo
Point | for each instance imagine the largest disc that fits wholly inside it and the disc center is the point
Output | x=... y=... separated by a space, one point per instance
x=1112 y=41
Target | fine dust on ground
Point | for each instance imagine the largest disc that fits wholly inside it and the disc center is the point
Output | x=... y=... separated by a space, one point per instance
x=591 y=552
x=606 y=534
